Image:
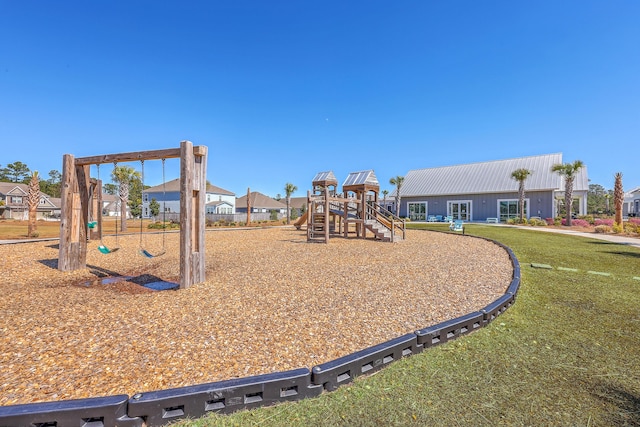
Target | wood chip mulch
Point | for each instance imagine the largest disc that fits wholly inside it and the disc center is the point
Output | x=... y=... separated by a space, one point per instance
x=272 y=302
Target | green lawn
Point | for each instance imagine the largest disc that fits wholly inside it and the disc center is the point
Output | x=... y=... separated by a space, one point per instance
x=567 y=353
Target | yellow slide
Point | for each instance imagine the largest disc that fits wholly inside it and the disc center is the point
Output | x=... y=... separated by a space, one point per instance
x=301 y=220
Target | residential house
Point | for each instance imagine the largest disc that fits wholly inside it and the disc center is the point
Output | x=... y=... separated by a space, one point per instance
x=13 y=203
x=111 y=205
x=260 y=204
x=298 y=205
x=477 y=191
x=217 y=201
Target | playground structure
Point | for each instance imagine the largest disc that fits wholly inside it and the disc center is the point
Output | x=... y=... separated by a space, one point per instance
x=81 y=212
x=356 y=210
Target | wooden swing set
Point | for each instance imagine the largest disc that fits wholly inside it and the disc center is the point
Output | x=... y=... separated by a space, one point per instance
x=81 y=207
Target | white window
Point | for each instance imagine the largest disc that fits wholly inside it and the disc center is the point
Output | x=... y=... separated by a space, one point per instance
x=417 y=211
x=511 y=209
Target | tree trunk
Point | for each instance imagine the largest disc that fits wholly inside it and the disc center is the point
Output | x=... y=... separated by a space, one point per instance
x=288 y=209
x=521 y=200
x=568 y=199
x=33 y=201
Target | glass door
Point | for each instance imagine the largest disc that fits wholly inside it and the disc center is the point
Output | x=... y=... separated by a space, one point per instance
x=460 y=210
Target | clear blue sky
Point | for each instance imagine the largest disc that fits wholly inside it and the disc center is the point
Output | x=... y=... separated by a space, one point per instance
x=281 y=90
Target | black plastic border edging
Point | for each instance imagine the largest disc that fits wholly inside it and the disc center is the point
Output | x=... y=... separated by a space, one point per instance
x=163 y=406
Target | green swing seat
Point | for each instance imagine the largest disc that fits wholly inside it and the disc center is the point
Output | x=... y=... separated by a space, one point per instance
x=106 y=250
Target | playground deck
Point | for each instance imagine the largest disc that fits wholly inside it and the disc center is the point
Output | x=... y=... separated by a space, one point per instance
x=271 y=303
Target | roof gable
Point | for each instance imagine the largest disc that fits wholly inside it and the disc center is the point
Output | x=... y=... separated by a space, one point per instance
x=367 y=178
x=324 y=179
x=174 y=186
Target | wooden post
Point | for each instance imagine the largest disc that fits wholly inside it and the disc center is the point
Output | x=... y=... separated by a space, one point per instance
x=72 y=248
x=248 y=206
x=192 y=215
x=326 y=214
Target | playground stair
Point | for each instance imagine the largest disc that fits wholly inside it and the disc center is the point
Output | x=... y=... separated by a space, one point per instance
x=381 y=231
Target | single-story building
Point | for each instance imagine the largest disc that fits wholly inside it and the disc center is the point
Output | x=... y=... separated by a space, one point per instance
x=477 y=191
x=631 y=206
x=168 y=196
x=260 y=204
x=13 y=203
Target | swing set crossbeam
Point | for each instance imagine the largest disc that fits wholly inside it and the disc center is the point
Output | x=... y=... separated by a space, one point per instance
x=136 y=156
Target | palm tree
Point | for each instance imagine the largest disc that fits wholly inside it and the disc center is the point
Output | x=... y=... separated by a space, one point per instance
x=569 y=171
x=33 y=200
x=618 y=198
x=521 y=175
x=384 y=198
x=289 y=189
x=397 y=181
x=124 y=175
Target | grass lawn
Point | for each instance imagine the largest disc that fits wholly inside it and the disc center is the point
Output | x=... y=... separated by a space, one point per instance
x=567 y=353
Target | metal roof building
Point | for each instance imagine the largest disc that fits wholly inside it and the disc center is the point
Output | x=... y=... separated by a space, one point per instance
x=477 y=191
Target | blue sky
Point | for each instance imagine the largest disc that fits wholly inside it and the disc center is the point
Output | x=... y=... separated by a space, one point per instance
x=281 y=90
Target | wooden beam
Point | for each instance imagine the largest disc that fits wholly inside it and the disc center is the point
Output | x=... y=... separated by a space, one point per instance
x=136 y=156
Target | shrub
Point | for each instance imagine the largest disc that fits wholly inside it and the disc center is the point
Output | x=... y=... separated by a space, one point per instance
x=608 y=222
x=577 y=222
x=617 y=228
x=603 y=228
x=635 y=221
x=536 y=222
x=630 y=228
x=588 y=218
x=550 y=221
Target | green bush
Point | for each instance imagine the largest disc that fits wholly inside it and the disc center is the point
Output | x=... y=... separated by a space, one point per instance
x=617 y=228
x=537 y=222
x=602 y=229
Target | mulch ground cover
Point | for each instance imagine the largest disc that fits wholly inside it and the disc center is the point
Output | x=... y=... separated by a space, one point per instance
x=271 y=302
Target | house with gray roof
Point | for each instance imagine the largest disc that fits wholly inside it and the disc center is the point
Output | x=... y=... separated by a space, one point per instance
x=477 y=191
x=260 y=204
x=217 y=201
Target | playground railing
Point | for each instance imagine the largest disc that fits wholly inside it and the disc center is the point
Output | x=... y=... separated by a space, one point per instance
x=378 y=212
